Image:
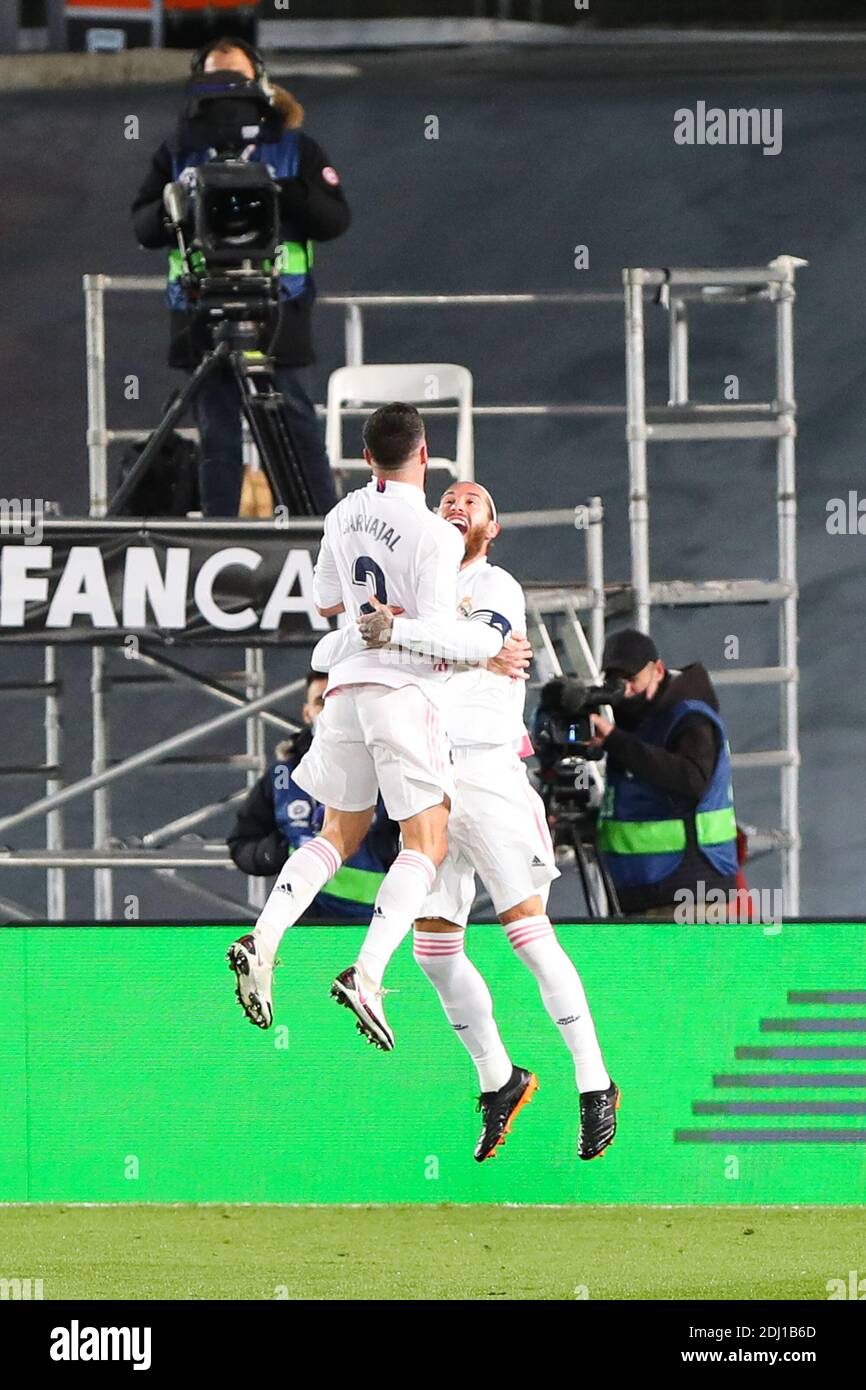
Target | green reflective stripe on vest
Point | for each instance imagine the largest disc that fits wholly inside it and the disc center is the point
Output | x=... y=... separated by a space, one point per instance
x=356 y=885
x=715 y=827
x=176 y=267
x=642 y=836
x=294 y=257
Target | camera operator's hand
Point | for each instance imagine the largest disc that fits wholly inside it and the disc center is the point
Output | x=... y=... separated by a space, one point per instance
x=601 y=727
x=513 y=659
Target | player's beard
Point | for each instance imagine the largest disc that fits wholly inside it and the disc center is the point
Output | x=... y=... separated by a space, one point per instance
x=475 y=542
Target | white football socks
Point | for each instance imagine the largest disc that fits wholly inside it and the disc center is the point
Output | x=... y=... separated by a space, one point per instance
x=563 y=996
x=303 y=875
x=467 y=1003
x=398 y=903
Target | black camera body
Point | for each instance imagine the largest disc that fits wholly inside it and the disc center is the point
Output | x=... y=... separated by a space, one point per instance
x=236 y=213
x=561 y=734
x=232 y=212
x=236 y=222
x=562 y=726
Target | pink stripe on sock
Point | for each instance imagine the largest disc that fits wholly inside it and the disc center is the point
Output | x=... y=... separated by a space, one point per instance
x=418 y=863
x=325 y=850
x=326 y=853
x=518 y=942
x=528 y=930
x=527 y=922
x=520 y=928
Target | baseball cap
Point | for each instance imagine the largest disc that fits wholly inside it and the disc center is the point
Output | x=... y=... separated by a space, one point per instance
x=627 y=652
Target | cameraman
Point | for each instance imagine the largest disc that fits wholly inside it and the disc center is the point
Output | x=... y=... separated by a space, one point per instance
x=312 y=208
x=667 y=822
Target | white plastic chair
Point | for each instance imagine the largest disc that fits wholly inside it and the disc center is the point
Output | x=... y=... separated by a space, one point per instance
x=417 y=383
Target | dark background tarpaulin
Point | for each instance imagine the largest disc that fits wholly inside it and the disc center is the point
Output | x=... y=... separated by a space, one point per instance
x=236 y=587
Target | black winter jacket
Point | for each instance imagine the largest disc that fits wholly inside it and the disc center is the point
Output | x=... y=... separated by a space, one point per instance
x=314 y=199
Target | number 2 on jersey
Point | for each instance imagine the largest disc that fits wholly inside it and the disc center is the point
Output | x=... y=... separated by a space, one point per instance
x=365 y=569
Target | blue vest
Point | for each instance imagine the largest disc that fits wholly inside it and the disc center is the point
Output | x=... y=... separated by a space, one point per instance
x=352 y=891
x=642 y=830
x=295 y=253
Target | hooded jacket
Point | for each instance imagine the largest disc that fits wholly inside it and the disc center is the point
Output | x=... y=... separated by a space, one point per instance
x=682 y=768
x=313 y=206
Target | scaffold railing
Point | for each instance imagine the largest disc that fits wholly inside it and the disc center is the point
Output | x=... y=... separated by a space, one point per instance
x=681 y=420
x=167 y=849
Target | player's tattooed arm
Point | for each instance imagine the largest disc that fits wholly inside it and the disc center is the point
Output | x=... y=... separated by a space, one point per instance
x=376 y=627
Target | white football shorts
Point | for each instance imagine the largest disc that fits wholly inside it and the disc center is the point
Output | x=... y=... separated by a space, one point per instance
x=371 y=738
x=498 y=828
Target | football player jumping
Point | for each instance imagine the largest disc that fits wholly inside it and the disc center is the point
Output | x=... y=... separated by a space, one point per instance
x=380 y=728
x=497 y=826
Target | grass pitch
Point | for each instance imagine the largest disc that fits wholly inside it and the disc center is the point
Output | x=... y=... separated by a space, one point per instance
x=428 y=1252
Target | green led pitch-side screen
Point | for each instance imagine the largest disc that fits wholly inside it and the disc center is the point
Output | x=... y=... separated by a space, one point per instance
x=130 y=1074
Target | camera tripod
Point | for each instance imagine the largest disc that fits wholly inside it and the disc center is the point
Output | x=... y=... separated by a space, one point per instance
x=599 y=892
x=263 y=409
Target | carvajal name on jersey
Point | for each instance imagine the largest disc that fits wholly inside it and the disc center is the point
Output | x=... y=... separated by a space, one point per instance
x=373 y=526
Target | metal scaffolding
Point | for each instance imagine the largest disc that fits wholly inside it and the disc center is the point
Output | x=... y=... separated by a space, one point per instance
x=556 y=614
x=682 y=420
x=120 y=675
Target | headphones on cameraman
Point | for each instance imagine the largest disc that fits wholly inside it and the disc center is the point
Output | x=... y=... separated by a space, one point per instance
x=255 y=56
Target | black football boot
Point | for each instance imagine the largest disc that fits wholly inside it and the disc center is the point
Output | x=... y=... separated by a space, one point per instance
x=499 y=1109
x=597 y=1120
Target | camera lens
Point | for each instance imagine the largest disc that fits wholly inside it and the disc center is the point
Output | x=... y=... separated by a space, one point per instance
x=237 y=218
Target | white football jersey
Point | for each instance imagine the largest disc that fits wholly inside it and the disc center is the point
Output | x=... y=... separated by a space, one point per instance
x=481 y=707
x=384 y=539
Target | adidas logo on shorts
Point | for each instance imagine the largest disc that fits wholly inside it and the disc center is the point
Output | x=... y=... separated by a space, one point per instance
x=537 y=863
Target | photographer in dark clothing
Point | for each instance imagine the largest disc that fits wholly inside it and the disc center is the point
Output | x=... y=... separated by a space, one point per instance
x=666 y=829
x=278 y=817
x=312 y=208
